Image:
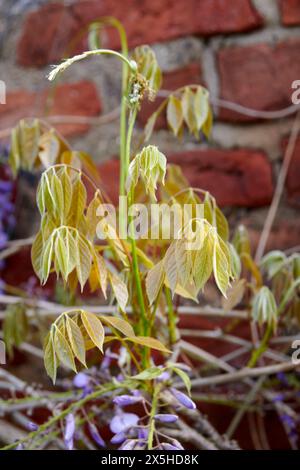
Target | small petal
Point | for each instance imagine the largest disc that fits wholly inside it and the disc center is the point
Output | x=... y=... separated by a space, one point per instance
x=143 y=433
x=118 y=438
x=184 y=399
x=128 y=445
x=177 y=444
x=121 y=422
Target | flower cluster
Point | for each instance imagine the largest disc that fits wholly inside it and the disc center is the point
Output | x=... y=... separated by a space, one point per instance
x=7 y=220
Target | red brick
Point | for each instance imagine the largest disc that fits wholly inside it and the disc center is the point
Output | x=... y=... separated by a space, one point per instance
x=284 y=234
x=48 y=31
x=76 y=99
x=290 y=12
x=187 y=75
x=293 y=176
x=235 y=177
x=258 y=76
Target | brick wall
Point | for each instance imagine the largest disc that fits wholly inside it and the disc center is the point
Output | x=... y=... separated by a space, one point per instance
x=246 y=52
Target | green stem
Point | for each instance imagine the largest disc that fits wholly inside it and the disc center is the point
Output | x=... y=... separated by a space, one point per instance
x=152 y=414
x=78 y=404
x=172 y=318
x=137 y=276
x=257 y=353
x=135 y=264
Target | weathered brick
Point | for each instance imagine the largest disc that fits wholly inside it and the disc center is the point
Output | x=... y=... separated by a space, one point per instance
x=47 y=32
x=290 y=12
x=235 y=177
x=69 y=99
x=258 y=76
x=173 y=80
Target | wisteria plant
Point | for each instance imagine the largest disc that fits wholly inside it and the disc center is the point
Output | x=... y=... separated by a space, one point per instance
x=126 y=363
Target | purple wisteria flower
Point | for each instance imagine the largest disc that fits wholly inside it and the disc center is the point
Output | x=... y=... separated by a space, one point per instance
x=167 y=446
x=81 y=380
x=166 y=418
x=32 y=426
x=183 y=399
x=121 y=422
x=118 y=438
x=128 y=445
x=69 y=431
x=7 y=220
x=96 y=435
x=125 y=400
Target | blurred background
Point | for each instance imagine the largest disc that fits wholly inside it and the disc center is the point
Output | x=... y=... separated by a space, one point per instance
x=245 y=52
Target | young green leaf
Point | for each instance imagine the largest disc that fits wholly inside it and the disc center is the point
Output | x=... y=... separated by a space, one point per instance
x=36 y=254
x=76 y=339
x=119 y=289
x=119 y=324
x=94 y=328
x=184 y=377
x=149 y=374
x=174 y=114
x=203 y=262
x=154 y=281
x=84 y=262
x=201 y=106
x=50 y=359
x=149 y=343
x=63 y=350
x=221 y=266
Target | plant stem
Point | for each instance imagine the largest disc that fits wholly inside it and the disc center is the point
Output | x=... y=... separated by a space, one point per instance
x=152 y=414
x=172 y=318
x=135 y=264
x=257 y=353
x=78 y=404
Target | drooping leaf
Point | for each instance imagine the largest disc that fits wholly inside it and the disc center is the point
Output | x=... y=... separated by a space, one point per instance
x=93 y=328
x=184 y=377
x=50 y=359
x=76 y=339
x=203 y=262
x=49 y=148
x=154 y=281
x=119 y=324
x=84 y=262
x=149 y=374
x=47 y=259
x=201 y=106
x=221 y=267
x=187 y=101
x=174 y=114
x=119 y=289
x=63 y=350
x=149 y=343
x=36 y=254
x=78 y=203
